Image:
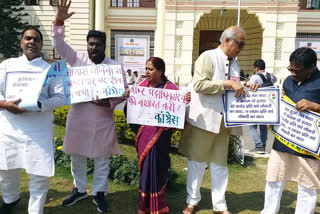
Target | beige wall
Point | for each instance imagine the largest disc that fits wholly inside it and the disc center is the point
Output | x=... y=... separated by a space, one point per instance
x=76 y=28
x=270 y=28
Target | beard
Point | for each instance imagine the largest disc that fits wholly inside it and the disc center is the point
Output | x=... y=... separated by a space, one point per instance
x=97 y=58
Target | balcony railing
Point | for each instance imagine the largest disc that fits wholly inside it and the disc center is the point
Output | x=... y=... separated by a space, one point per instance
x=310 y=4
x=133 y=3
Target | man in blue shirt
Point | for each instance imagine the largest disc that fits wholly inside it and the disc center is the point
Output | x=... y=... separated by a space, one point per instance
x=286 y=163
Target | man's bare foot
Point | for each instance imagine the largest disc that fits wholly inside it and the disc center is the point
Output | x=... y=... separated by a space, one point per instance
x=189 y=209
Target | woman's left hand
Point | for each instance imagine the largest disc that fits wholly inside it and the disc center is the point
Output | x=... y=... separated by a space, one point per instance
x=188 y=97
x=127 y=93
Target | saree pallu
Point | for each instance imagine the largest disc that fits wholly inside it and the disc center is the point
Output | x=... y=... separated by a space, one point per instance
x=153 y=145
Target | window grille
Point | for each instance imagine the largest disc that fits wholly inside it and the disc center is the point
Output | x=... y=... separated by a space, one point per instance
x=280 y=26
x=178 y=46
x=304 y=36
x=179 y=25
x=278 y=51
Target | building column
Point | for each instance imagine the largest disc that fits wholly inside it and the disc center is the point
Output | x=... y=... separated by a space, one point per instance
x=278 y=41
x=99 y=15
x=159 y=33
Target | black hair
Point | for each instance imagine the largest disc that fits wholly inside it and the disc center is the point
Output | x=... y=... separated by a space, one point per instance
x=305 y=56
x=260 y=64
x=97 y=34
x=30 y=27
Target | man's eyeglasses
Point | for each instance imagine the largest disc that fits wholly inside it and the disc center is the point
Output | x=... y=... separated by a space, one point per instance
x=240 y=44
x=294 y=70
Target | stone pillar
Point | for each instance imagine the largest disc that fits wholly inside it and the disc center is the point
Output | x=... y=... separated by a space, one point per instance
x=159 y=33
x=99 y=15
x=278 y=28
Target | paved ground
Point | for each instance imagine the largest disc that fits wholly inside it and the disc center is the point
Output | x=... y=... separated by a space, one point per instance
x=249 y=144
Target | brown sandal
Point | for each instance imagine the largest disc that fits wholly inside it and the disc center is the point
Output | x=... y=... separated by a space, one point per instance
x=189 y=209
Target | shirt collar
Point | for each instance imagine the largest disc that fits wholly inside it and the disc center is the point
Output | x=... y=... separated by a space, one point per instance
x=223 y=55
x=38 y=59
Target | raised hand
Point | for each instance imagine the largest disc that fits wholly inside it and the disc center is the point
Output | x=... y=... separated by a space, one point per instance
x=63 y=7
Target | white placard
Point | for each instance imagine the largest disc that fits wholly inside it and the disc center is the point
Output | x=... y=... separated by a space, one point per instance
x=87 y=83
x=299 y=128
x=18 y=81
x=27 y=86
x=156 y=107
x=260 y=107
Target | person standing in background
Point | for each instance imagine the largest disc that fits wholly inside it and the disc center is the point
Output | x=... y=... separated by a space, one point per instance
x=263 y=79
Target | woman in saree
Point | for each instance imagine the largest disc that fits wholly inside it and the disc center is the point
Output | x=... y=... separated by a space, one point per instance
x=153 y=144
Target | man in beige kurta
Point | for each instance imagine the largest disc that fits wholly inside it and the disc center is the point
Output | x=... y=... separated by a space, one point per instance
x=205 y=139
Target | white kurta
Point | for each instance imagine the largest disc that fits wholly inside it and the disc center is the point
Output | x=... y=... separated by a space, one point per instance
x=26 y=140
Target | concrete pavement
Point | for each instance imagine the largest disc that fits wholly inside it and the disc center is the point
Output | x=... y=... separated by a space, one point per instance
x=249 y=144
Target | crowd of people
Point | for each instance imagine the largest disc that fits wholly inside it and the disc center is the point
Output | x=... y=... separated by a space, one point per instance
x=204 y=138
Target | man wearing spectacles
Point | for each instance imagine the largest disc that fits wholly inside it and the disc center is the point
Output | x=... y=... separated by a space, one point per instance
x=205 y=139
x=285 y=163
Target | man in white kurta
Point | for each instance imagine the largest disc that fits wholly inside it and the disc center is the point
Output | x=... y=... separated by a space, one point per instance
x=26 y=138
x=90 y=129
x=205 y=139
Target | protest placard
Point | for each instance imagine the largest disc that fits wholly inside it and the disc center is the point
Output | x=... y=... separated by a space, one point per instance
x=299 y=128
x=156 y=107
x=260 y=107
x=18 y=81
x=87 y=83
x=27 y=86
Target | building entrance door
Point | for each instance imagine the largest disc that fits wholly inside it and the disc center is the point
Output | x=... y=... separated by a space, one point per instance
x=209 y=39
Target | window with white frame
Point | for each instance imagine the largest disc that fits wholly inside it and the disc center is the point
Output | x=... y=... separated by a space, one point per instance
x=309 y=4
x=117 y=3
x=133 y=3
